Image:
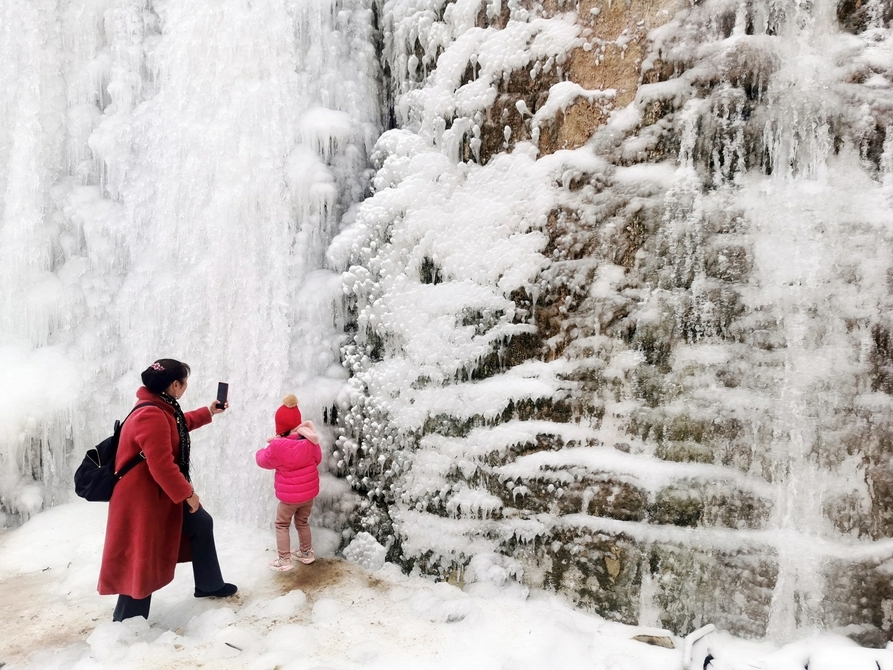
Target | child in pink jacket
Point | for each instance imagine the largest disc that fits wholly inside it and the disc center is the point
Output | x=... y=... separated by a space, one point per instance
x=294 y=454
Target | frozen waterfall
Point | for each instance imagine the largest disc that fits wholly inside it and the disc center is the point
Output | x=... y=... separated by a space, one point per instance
x=171 y=176
x=601 y=291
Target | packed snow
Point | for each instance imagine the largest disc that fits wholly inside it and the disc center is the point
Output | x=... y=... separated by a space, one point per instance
x=355 y=611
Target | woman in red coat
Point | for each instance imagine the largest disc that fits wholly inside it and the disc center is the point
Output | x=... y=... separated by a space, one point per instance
x=155 y=517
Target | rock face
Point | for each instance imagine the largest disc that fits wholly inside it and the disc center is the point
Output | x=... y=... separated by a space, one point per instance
x=608 y=61
x=660 y=382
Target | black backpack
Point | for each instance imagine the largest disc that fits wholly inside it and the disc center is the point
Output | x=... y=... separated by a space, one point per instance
x=95 y=477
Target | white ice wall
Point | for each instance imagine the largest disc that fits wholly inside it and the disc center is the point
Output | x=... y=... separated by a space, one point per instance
x=172 y=173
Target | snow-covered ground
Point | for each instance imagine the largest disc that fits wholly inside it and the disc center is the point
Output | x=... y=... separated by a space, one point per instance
x=333 y=614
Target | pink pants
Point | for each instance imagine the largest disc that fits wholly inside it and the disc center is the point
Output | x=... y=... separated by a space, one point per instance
x=284 y=514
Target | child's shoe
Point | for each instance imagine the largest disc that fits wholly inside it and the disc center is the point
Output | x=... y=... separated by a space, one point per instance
x=306 y=557
x=281 y=565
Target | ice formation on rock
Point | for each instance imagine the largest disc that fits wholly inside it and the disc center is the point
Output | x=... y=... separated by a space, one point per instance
x=649 y=360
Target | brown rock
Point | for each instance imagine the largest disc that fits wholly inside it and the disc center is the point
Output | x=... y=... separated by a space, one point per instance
x=612 y=59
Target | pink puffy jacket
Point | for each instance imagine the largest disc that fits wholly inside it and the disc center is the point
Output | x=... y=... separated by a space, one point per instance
x=294 y=458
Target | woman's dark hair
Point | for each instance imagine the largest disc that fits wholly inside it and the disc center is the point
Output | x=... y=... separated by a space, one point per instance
x=164 y=372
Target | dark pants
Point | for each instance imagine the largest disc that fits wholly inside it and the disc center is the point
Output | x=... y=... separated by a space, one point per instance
x=128 y=607
x=198 y=527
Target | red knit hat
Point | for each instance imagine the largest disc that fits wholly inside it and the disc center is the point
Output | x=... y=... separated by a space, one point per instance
x=288 y=417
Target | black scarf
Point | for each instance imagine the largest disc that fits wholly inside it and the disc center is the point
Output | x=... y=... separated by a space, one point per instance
x=183 y=432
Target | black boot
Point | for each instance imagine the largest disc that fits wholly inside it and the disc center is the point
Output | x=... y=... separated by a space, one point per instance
x=128 y=608
x=223 y=592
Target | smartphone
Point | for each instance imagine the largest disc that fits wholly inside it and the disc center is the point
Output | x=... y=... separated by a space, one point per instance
x=222 y=391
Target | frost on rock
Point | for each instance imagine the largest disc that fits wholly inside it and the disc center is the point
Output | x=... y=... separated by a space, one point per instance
x=618 y=308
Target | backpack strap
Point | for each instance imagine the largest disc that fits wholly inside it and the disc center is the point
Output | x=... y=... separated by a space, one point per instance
x=140 y=457
x=142 y=404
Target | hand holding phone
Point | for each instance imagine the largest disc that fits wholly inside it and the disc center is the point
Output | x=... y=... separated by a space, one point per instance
x=222 y=392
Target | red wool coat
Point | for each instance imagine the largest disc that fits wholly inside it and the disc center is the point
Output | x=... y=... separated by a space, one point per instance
x=145 y=519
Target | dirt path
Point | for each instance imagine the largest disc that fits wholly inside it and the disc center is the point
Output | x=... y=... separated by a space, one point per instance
x=34 y=615
x=327 y=573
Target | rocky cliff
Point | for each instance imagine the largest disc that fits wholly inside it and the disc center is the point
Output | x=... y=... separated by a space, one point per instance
x=619 y=308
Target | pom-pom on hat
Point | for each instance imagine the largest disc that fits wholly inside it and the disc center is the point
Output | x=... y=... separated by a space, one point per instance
x=288 y=417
